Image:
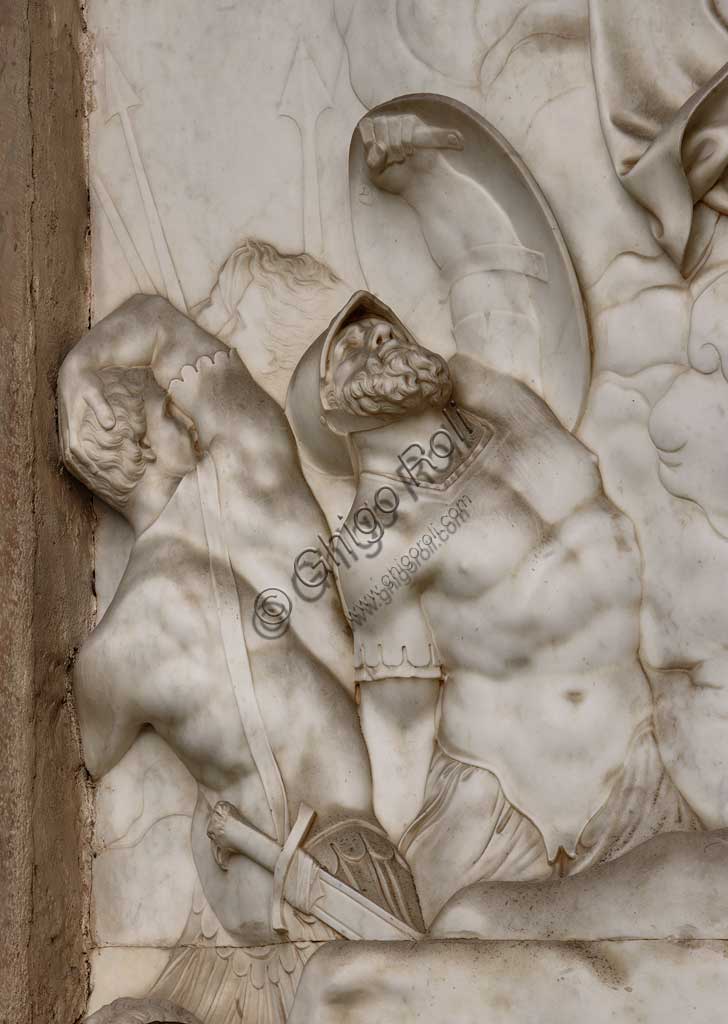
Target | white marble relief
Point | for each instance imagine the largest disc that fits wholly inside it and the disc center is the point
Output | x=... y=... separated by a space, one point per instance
x=307 y=720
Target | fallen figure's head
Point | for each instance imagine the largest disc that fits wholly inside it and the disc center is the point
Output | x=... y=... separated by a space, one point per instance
x=142 y=1011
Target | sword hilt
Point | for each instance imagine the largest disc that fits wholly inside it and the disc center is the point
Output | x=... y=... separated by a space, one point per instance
x=296 y=836
x=231 y=833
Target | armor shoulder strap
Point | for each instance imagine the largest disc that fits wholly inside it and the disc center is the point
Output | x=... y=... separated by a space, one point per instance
x=236 y=652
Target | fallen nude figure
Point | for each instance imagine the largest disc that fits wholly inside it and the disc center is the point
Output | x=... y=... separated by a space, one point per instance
x=671 y=887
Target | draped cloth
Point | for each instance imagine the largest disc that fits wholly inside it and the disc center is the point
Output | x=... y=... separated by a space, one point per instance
x=661 y=75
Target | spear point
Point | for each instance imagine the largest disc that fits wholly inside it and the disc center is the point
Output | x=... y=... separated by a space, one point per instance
x=119 y=94
x=305 y=95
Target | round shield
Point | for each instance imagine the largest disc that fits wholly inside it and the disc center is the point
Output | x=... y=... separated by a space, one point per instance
x=399 y=269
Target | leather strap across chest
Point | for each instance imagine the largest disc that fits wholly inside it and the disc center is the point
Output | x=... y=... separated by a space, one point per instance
x=236 y=652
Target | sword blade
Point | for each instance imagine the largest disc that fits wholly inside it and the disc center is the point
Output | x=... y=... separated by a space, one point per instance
x=354 y=916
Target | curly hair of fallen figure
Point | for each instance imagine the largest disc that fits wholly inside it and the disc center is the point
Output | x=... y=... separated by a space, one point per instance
x=142 y=1011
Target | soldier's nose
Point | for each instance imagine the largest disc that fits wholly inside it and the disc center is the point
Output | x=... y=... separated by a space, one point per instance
x=381 y=333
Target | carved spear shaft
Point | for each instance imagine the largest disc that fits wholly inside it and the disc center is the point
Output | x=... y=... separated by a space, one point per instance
x=120 y=98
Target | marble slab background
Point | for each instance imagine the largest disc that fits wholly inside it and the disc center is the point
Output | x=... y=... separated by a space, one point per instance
x=224 y=164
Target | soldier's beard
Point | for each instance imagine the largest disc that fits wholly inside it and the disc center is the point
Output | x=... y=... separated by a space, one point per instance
x=407 y=379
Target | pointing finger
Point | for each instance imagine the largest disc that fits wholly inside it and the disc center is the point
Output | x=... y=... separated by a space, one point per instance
x=426 y=137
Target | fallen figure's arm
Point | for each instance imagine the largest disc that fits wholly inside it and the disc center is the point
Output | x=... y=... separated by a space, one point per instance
x=670 y=886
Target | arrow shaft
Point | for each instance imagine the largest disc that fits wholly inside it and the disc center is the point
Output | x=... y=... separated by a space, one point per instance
x=172 y=286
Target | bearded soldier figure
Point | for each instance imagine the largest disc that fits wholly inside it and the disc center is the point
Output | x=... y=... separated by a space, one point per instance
x=504 y=706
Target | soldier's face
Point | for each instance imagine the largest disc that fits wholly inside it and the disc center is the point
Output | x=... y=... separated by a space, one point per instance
x=357 y=343
x=376 y=367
